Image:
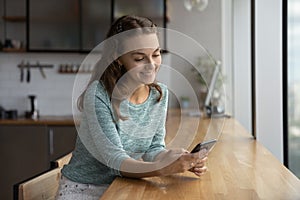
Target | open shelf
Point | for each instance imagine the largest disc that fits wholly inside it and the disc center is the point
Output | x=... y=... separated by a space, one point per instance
x=14 y=18
x=13 y=50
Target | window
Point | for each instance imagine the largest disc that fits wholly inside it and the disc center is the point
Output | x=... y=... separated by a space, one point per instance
x=293 y=86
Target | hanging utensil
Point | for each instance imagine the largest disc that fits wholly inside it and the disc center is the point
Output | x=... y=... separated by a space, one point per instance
x=41 y=69
x=28 y=72
x=21 y=66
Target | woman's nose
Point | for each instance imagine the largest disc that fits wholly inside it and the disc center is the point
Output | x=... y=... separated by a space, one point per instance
x=150 y=66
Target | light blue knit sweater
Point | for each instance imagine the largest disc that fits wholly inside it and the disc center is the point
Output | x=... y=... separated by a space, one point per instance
x=102 y=144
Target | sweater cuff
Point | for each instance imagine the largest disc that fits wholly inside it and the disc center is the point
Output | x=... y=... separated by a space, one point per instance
x=116 y=164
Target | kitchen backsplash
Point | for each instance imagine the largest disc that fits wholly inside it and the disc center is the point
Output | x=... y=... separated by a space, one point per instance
x=54 y=93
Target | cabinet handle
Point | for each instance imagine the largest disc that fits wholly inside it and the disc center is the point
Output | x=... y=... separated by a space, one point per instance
x=51 y=145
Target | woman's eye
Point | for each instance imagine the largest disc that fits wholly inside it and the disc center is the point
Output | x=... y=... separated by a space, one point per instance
x=138 y=59
x=156 y=55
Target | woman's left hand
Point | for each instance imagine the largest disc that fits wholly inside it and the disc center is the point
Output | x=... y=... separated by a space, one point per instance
x=199 y=167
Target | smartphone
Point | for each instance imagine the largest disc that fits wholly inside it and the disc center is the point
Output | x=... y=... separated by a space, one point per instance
x=204 y=145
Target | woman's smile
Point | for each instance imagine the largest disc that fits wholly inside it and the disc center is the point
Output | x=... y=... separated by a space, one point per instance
x=142 y=64
x=148 y=73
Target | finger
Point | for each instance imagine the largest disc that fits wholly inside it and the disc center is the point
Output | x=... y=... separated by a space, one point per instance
x=180 y=151
x=199 y=174
x=200 y=171
x=191 y=165
x=200 y=162
x=190 y=161
x=186 y=152
x=203 y=160
x=199 y=165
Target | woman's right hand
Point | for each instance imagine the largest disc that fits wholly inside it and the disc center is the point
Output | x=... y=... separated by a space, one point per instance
x=178 y=161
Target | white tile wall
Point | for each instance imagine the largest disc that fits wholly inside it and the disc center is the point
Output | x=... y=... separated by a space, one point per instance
x=54 y=94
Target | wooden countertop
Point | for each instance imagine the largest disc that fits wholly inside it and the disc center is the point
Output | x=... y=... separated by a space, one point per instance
x=239 y=167
x=43 y=120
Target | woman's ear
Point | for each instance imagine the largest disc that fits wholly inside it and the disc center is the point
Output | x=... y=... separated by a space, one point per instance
x=119 y=62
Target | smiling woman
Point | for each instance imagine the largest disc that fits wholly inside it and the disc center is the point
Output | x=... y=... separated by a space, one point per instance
x=142 y=65
x=124 y=108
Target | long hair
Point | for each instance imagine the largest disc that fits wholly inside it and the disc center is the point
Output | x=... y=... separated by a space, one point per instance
x=115 y=71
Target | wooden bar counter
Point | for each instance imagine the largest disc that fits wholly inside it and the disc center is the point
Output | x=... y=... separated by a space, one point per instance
x=239 y=167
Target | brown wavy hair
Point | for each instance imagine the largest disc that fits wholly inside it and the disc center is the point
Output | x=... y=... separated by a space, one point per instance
x=114 y=71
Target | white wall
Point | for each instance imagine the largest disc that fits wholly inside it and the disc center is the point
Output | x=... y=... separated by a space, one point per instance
x=227 y=53
x=268 y=35
x=242 y=62
x=204 y=27
x=54 y=94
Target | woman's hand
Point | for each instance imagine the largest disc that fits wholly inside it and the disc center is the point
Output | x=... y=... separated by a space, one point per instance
x=179 y=160
x=199 y=169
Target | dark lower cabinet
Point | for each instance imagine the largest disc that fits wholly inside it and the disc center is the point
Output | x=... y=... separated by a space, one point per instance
x=27 y=150
x=62 y=140
x=23 y=153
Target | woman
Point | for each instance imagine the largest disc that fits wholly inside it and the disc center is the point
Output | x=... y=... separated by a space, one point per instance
x=124 y=110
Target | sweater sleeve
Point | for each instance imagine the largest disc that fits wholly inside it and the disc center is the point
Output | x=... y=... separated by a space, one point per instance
x=157 y=146
x=158 y=141
x=103 y=140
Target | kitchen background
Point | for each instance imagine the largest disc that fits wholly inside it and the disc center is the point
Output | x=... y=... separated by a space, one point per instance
x=54 y=93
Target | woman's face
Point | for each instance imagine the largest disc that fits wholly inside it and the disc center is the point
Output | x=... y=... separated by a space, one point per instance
x=142 y=64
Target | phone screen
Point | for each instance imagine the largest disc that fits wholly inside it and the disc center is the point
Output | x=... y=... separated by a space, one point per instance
x=204 y=145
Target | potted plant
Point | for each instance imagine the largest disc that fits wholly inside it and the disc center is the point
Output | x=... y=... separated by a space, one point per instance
x=185 y=102
x=203 y=71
